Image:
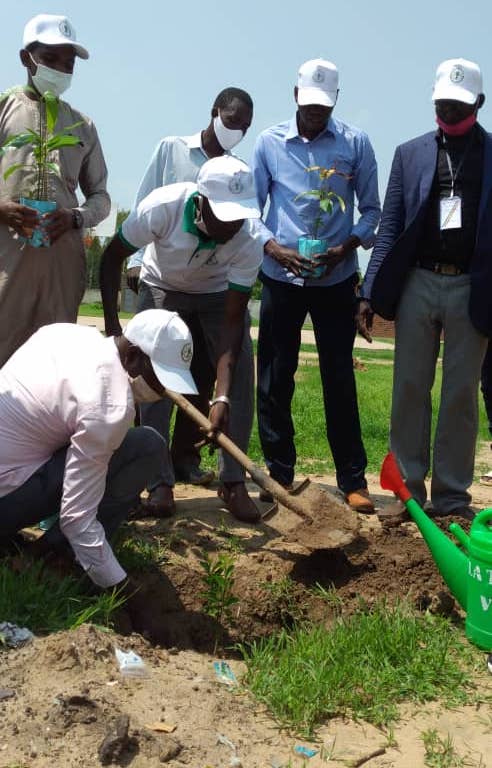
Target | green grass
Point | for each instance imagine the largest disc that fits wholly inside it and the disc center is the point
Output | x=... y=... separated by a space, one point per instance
x=96 y=310
x=44 y=602
x=136 y=554
x=374 y=396
x=363 y=668
x=440 y=751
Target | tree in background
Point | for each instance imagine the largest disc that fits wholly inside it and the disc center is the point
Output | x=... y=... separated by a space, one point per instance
x=94 y=247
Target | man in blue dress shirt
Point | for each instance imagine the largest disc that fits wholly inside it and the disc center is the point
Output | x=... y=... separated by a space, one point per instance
x=282 y=159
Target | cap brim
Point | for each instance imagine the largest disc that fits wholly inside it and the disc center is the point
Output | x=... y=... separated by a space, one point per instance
x=451 y=92
x=227 y=210
x=176 y=379
x=307 y=96
x=81 y=52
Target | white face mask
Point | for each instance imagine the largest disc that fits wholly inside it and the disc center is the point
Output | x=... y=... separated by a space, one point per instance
x=227 y=137
x=47 y=79
x=141 y=391
x=199 y=223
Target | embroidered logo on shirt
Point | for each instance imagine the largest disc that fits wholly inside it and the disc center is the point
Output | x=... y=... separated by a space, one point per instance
x=66 y=29
x=236 y=185
x=457 y=74
x=318 y=76
x=186 y=353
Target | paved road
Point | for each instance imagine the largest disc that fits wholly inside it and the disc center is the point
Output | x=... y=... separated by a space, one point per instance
x=307 y=335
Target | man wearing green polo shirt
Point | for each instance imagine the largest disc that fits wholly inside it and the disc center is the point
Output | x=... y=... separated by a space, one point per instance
x=202 y=261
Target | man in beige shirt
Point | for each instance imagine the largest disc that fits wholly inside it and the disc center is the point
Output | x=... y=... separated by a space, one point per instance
x=41 y=286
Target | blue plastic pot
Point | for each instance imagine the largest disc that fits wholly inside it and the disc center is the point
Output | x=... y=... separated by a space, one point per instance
x=308 y=248
x=39 y=237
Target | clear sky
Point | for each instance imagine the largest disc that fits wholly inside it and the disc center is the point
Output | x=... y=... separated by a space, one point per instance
x=155 y=67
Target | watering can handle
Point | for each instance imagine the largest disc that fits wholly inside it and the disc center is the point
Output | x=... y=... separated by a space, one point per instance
x=459 y=534
x=484 y=518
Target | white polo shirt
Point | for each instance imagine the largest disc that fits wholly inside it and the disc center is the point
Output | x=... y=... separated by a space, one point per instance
x=179 y=258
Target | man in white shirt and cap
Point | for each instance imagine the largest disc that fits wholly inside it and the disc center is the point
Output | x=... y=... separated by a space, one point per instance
x=67 y=405
x=174 y=160
x=202 y=258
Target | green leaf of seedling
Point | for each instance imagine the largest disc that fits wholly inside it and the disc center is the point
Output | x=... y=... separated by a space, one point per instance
x=54 y=167
x=17 y=141
x=71 y=127
x=311 y=192
x=52 y=106
x=58 y=141
x=13 y=168
x=341 y=203
x=326 y=205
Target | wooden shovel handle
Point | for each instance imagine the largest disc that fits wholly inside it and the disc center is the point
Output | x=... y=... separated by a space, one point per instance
x=260 y=478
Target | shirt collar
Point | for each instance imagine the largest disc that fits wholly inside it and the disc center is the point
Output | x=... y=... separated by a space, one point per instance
x=189 y=212
x=293 y=132
x=195 y=141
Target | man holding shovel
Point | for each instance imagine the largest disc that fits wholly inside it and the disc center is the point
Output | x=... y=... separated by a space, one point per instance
x=67 y=404
x=431 y=271
x=202 y=259
x=176 y=159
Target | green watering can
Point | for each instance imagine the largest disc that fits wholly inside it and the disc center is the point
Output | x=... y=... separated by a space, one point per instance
x=467 y=573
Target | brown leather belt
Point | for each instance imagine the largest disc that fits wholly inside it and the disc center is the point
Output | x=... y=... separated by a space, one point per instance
x=441 y=269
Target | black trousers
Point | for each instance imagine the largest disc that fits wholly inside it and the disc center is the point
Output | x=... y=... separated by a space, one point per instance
x=486 y=384
x=283 y=310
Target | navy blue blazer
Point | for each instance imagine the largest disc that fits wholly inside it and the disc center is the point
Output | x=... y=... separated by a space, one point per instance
x=409 y=186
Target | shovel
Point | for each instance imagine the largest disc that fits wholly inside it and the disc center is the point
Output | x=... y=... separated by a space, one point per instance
x=327 y=522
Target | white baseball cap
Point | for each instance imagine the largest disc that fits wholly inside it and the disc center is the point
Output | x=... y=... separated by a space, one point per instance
x=458 y=80
x=228 y=185
x=317 y=83
x=166 y=339
x=52 y=30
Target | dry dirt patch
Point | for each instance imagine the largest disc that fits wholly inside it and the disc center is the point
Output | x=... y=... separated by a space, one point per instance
x=70 y=697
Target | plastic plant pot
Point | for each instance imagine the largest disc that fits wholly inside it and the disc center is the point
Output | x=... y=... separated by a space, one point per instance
x=308 y=249
x=39 y=237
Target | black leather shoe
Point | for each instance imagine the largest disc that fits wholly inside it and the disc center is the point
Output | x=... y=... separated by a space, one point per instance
x=467 y=513
x=194 y=475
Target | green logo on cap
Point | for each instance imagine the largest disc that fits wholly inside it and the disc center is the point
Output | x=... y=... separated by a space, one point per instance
x=66 y=29
x=186 y=353
x=457 y=74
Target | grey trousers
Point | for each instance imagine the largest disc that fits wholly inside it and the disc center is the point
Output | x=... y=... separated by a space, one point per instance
x=140 y=455
x=431 y=304
x=204 y=314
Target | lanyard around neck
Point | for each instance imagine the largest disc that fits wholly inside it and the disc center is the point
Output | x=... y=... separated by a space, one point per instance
x=454 y=175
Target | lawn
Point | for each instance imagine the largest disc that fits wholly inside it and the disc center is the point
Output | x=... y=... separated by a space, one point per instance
x=374 y=395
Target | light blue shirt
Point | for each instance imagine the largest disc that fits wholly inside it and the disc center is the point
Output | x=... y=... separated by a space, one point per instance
x=280 y=163
x=175 y=159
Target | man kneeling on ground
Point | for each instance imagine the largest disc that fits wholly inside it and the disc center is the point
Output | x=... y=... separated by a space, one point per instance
x=67 y=402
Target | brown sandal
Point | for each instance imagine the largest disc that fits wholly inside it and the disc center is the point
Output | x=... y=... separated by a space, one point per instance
x=239 y=503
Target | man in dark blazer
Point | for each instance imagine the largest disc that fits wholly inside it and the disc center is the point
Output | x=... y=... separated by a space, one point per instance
x=431 y=271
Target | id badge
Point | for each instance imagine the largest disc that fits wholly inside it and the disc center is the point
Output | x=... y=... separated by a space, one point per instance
x=450 y=212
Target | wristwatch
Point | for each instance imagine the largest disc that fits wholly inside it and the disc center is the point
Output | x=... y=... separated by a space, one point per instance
x=77 y=219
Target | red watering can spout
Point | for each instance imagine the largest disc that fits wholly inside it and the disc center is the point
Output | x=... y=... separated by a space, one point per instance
x=391 y=479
